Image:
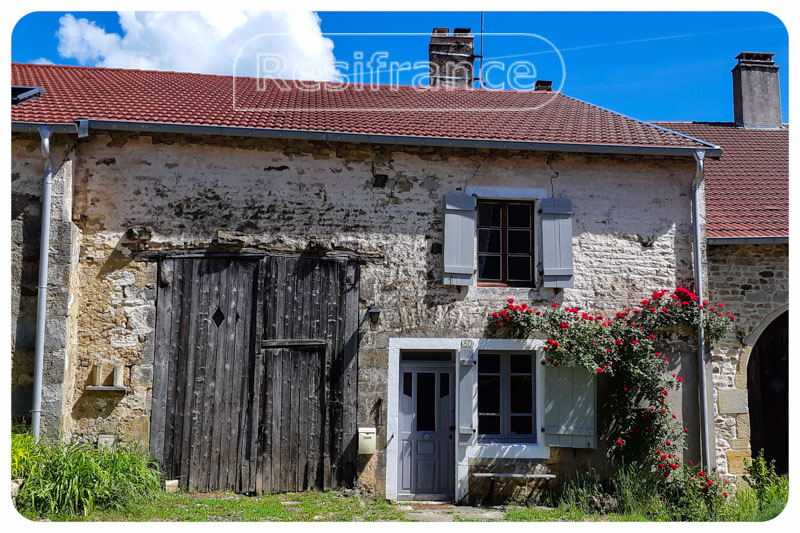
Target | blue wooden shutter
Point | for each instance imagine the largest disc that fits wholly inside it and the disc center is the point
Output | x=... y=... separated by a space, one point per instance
x=570 y=396
x=557 y=242
x=459 y=239
x=467 y=396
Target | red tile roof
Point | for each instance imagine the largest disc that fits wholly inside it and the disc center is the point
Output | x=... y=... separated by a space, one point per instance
x=747 y=189
x=72 y=93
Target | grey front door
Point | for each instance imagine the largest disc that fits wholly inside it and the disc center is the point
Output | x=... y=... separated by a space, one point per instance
x=426 y=469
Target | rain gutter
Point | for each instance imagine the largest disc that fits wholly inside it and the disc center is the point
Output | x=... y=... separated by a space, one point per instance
x=409 y=140
x=705 y=444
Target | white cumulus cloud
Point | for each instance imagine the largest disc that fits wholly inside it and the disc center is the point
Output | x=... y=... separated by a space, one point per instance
x=221 y=42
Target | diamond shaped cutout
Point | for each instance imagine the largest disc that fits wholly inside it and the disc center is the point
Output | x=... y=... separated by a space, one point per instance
x=218 y=317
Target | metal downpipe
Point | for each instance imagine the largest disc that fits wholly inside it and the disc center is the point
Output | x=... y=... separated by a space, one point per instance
x=705 y=445
x=41 y=304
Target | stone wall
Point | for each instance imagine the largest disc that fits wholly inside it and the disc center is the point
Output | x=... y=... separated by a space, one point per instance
x=753 y=281
x=27 y=175
x=632 y=233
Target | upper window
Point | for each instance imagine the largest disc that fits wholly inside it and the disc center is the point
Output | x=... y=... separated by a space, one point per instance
x=505 y=243
x=506 y=392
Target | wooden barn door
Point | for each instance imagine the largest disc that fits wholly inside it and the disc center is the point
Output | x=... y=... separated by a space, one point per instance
x=205 y=337
x=254 y=385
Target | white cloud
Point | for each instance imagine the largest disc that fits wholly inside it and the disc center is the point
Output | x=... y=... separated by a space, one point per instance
x=41 y=61
x=203 y=42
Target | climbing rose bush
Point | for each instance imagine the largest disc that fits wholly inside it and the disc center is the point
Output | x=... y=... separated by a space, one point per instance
x=626 y=348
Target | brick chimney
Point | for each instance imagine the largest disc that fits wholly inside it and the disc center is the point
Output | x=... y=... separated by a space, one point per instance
x=756 y=91
x=451 y=57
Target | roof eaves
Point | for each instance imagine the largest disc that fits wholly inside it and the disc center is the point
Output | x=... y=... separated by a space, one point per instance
x=414 y=140
x=722 y=241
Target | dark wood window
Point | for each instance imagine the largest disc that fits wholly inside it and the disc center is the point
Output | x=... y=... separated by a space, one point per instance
x=505 y=243
x=506 y=393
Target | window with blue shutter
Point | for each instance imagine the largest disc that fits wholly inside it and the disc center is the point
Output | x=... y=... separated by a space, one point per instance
x=570 y=396
x=557 y=271
x=459 y=239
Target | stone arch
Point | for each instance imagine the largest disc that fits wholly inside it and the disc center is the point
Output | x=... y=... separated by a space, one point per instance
x=768 y=391
x=753 y=336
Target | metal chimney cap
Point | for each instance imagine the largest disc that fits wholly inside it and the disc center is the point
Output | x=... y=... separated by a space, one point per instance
x=441 y=31
x=756 y=57
x=543 y=85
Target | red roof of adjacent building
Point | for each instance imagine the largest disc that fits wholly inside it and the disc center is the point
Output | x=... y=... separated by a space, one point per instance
x=747 y=189
x=72 y=93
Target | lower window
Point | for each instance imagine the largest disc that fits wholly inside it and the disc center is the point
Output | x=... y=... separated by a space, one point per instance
x=506 y=392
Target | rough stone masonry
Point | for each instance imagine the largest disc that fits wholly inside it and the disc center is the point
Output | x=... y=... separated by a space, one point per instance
x=632 y=233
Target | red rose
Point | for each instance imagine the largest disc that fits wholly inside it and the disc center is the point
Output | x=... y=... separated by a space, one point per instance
x=668 y=443
x=553 y=304
x=538 y=313
x=634 y=342
x=524 y=306
x=508 y=319
x=709 y=482
x=725 y=494
x=666 y=473
x=619 y=442
x=549 y=359
x=608 y=350
x=720 y=305
x=599 y=370
x=673 y=466
x=712 y=308
x=701 y=473
x=731 y=317
x=619 y=341
x=504 y=312
x=499 y=324
x=680 y=379
x=664 y=309
x=511 y=300
x=626 y=388
x=495 y=315
x=661 y=465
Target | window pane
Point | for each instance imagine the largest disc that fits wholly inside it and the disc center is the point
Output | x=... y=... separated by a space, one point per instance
x=519 y=268
x=407 y=383
x=519 y=215
x=426 y=356
x=488 y=267
x=426 y=395
x=489 y=425
x=488 y=363
x=489 y=215
x=444 y=384
x=521 y=394
x=519 y=241
x=520 y=364
x=522 y=425
x=488 y=394
x=489 y=240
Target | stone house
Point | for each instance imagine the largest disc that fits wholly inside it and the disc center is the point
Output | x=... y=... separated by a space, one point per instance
x=272 y=299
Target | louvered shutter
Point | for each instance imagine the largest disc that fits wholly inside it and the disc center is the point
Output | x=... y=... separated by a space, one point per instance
x=467 y=396
x=459 y=239
x=570 y=396
x=557 y=242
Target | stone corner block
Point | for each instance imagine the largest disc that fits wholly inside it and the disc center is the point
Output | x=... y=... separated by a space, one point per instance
x=736 y=461
x=732 y=401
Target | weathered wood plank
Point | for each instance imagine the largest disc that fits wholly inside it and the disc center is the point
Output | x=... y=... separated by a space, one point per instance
x=209 y=400
x=161 y=360
x=188 y=395
x=220 y=405
x=293 y=343
x=256 y=378
x=201 y=352
x=178 y=335
x=350 y=374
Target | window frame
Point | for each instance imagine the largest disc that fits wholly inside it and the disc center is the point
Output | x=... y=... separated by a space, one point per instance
x=504 y=254
x=505 y=413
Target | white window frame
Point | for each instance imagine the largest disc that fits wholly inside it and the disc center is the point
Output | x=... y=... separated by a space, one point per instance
x=505 y=399
x=463 y=453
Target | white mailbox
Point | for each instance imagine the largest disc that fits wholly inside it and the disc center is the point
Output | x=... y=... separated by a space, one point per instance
x=366 y=441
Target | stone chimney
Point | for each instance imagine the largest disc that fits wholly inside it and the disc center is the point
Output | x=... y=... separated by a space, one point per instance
x=451 y=57
x=756 y=92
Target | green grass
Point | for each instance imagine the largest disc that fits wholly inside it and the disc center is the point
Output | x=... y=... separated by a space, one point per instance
x=73 y=479
x=331 y=506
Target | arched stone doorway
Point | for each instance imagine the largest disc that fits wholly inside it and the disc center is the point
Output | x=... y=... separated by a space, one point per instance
x=768 y=393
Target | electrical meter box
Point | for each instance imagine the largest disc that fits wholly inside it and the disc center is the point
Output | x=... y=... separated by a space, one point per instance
x=366 y=441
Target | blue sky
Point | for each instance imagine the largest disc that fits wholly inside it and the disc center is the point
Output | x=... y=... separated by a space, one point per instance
x=651 y=66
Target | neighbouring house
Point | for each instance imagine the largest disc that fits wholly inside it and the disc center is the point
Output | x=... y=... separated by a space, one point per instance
x=295 y=295
x=747 y=233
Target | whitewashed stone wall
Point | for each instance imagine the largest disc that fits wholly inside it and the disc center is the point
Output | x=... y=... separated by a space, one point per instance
x=753 y=282
x=632 y=233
